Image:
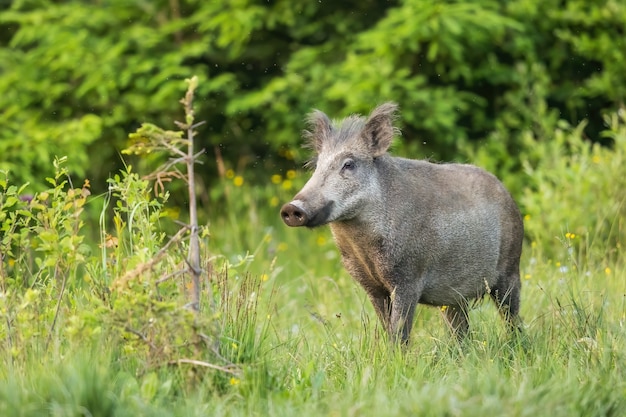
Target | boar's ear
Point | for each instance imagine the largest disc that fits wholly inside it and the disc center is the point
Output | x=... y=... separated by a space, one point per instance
x=319 y=130
x=379 y=130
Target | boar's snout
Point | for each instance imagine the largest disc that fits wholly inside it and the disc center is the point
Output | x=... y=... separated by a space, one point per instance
x=293 y=216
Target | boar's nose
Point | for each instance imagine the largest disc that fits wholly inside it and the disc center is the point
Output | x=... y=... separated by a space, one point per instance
x=293 y=216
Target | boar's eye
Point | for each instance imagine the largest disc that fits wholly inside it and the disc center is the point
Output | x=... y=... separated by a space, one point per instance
x=348 y=165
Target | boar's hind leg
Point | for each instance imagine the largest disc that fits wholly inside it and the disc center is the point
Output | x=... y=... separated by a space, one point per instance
x=456 y=316
x=506 y=295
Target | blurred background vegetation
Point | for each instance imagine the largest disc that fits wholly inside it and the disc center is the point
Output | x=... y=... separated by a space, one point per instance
x=483 y=81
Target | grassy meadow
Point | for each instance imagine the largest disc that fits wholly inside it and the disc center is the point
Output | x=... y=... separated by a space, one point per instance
x=100 y=328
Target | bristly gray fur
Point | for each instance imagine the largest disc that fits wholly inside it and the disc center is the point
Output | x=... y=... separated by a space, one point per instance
x=322 y=133
x=326 y=134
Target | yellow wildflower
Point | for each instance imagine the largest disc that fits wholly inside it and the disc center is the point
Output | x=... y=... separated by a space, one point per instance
x=288 y=154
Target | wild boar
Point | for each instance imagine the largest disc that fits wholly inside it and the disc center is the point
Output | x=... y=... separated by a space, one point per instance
x=410 y=231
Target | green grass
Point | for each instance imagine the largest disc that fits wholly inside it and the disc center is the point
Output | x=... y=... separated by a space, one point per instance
x=569 y=362
x=311 y=362
x=314 y=348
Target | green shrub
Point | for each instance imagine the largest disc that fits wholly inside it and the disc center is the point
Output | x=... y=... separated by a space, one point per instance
x=574 y=203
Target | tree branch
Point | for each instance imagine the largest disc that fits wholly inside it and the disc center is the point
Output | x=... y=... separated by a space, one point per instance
x=228 y=370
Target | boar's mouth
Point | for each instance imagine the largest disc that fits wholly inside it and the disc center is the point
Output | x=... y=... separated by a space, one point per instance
x=295 y=215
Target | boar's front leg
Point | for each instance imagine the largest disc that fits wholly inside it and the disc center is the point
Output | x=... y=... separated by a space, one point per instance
x=402 y=312
x=381 y=300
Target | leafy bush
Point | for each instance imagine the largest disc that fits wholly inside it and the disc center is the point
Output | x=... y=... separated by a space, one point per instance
x=575 y=203
x=463 y=73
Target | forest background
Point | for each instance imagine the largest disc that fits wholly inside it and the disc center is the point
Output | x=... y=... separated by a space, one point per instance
x=474 y=80
x=532 y=90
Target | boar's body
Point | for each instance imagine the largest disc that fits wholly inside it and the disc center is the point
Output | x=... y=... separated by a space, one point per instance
x=411 y=231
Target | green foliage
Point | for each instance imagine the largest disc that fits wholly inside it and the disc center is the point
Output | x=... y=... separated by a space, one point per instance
x=584 y=184
x=467 y=75
x=49 y=224
x=42 y=255
x=56 y=294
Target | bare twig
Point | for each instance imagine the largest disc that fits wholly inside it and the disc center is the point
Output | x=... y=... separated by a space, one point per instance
x=141 y=336
x=165 y=169
x=194 y=242
x=170 y=275
x=58 y=306
x=143 y=267
x=200 y=153
x=192 y=268
x=230 y=369
x=212 y=345
x=152 y=138
x=185 y=126
x=174 y=150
